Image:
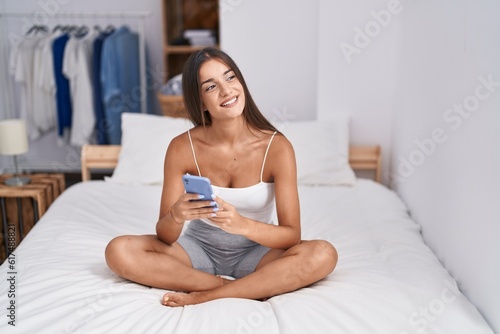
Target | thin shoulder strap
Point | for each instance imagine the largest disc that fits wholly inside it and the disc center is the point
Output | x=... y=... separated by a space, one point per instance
x=265 y=156
x=194 y=155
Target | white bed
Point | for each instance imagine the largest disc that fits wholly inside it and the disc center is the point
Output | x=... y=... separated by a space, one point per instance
x=386 y=281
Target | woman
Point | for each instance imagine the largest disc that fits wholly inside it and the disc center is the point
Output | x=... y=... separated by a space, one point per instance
x=252 y=168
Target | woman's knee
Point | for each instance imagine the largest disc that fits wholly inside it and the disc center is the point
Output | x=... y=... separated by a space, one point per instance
x=322 y=255
x=117 y=253
x=331 y=254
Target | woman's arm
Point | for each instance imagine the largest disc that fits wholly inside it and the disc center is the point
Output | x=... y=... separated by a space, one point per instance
x=168 y=227
x=175 y=205
x=281 y=167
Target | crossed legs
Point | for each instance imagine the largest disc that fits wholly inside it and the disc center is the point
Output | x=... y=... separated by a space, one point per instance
x=147 y=260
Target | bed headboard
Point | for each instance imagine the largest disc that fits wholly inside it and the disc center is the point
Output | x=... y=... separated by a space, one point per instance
x=106 y=157
x=98 y=157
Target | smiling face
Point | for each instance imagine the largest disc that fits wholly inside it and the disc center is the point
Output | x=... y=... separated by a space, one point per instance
x=221 y=91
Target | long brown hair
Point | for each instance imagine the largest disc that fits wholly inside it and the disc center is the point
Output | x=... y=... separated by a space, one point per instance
x=192 y=95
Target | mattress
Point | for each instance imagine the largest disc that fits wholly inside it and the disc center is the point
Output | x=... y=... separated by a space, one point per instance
x=386 y=281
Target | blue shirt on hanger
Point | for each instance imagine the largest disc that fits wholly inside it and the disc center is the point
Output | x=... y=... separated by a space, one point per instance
x=101 y=123
x=120 y=79
x=63 y=95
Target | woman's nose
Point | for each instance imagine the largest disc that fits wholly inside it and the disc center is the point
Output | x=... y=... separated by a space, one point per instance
x=225 y=89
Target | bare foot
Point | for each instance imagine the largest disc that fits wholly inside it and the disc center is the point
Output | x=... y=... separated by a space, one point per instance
x=181 y=298
x=175 y=299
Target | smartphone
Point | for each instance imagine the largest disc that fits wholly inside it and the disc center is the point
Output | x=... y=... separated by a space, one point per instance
x=198 y=185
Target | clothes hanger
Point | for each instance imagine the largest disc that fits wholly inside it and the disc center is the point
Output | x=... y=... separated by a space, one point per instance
x=81 y=31
x=37 y=28
x=109 y=29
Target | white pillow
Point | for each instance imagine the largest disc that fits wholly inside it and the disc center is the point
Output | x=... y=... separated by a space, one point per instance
x=145 y=139
x=321 y=150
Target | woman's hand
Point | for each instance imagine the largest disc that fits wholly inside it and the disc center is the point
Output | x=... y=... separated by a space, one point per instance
x=228 y=219
x=191 y=206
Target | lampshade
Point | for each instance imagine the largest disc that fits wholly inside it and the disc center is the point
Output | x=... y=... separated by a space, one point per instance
x=13 y=137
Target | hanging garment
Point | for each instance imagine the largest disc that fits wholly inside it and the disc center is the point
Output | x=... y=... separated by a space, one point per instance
x=44 y=103
x=76 y=68
x=21 y=67
x=101 y=123
x=120 y=79
x=63 y=95
x=46 y=79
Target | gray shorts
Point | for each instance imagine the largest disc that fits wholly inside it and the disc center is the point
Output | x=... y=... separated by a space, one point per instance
x=217 y=252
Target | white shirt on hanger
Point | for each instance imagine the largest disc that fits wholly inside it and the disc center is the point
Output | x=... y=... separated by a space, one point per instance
x=46 y=77
x=44 y=100
x=77 y=68
x=21 y=66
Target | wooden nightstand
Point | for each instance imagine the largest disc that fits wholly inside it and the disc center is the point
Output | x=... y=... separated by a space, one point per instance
x=22 y=206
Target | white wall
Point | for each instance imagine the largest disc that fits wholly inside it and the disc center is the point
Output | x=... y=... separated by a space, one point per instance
x=274 y=43
x=358 y=82
x=445 y=164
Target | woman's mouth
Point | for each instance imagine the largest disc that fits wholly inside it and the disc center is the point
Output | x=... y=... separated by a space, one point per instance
x=230 y=102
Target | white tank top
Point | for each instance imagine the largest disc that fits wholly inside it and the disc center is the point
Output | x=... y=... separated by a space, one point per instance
x=255 y=202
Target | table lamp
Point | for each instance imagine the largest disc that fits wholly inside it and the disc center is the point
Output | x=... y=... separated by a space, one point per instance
x=14 y=141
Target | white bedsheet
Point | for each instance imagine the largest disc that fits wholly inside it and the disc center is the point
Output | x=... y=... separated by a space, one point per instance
x=387 y=280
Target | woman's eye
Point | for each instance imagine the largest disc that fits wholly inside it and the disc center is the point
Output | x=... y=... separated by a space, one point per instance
x=209 y=88
x=231 y=77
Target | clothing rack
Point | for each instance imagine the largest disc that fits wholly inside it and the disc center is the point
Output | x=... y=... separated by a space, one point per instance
x=139 y=15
